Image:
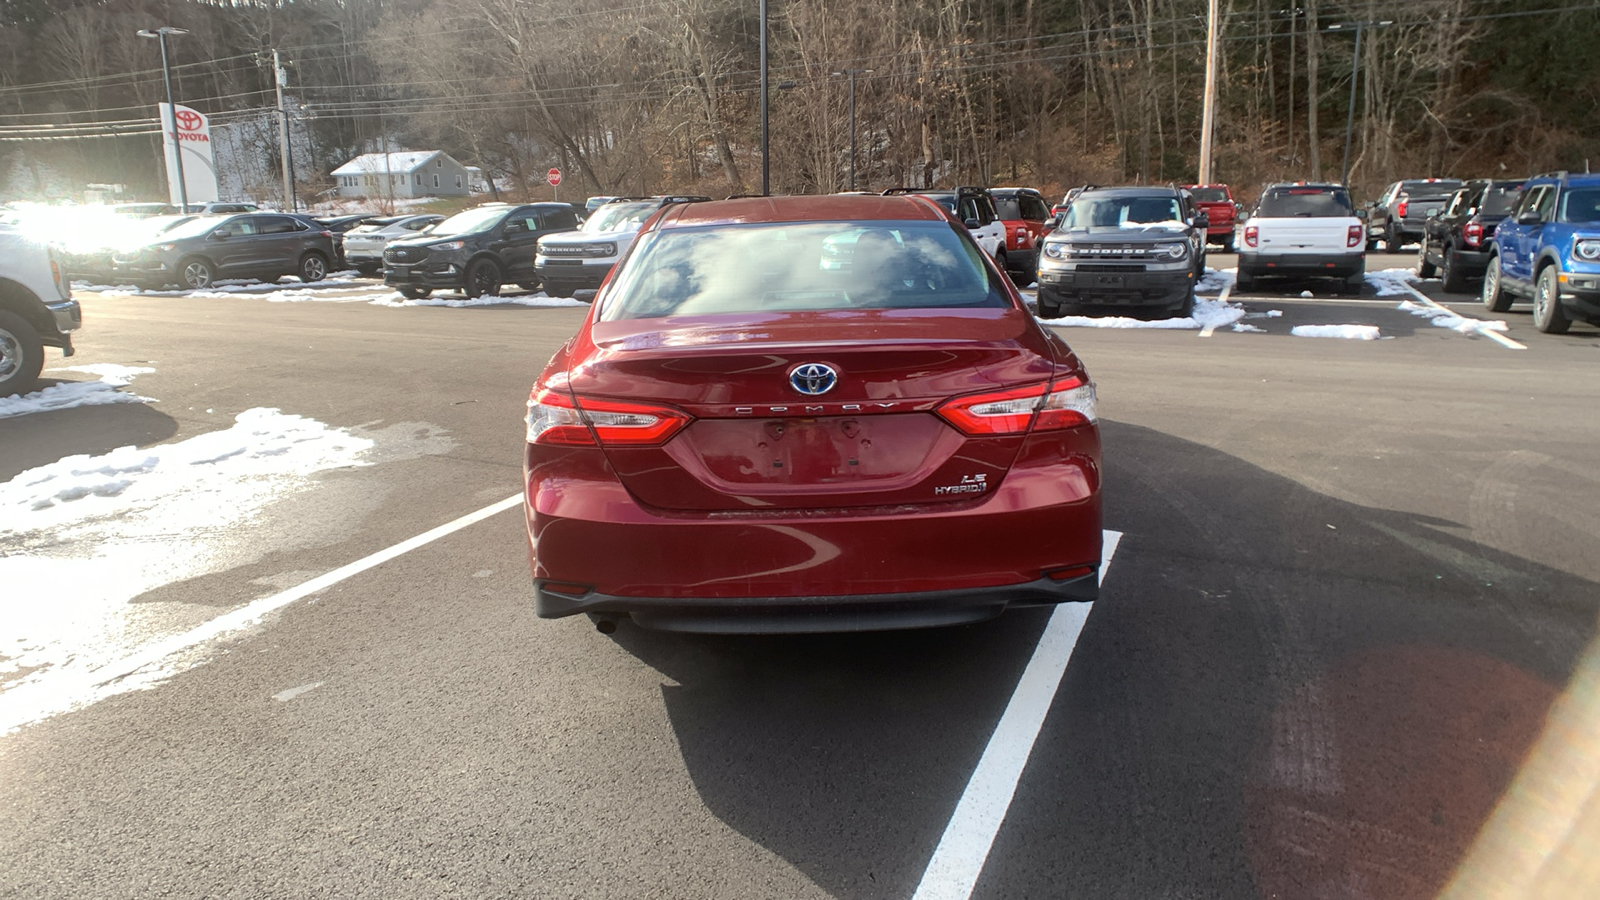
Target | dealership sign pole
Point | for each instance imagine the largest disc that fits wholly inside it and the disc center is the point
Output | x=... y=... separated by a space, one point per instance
x=169 y=120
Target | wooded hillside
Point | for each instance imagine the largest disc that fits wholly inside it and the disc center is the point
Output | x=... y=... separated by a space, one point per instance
x=642 y=97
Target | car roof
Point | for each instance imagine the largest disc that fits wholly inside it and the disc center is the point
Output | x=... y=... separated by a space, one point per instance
x=1129 y=191
x=1014 y=190
x=822 y=208
x=1314 y=185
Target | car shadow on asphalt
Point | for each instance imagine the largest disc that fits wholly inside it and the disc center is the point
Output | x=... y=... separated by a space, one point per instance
x=40 y=438
x=1279 y=694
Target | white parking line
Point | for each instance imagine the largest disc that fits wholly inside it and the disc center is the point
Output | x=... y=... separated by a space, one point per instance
x=1227 y=290
x=1495 y=336
x=37 y=700
x=958 y=860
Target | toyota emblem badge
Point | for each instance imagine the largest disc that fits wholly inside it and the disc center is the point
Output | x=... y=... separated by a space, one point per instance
x=813 y=378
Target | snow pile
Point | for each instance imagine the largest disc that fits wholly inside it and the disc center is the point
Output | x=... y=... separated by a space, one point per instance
x=1214 y=282
x=1349 y=332
x=78 y=393
x=1445 y=318
x=1208 y=313
x=538 y=300
x=1392 y=282
x=1251 y=329
x=102 y=530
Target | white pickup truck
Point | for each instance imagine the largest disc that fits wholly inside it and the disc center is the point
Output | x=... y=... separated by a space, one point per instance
x=36 y=309
x=1302 y=231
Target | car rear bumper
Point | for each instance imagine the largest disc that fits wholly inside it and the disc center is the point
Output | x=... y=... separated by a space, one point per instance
x=593 y=548
x=1333 y=265
x=800 y=615
x=1470 y=262
x=1137 y=289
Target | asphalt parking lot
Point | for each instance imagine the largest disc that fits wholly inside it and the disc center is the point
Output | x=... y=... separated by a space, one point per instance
x=1354 y=576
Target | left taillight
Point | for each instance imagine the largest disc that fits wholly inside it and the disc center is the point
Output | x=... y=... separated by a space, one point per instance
x=1064 y=403
x=553 y=418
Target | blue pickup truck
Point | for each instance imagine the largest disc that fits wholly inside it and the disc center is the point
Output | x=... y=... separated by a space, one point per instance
x=1548 y=250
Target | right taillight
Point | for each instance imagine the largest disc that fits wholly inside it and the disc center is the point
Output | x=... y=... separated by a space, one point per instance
x=1472 y=233
x=1252 y=234
x=1065 y=403
x=1353 y=237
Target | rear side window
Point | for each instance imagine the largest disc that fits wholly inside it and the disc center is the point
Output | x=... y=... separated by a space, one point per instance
x=1499 y=199
x=1008 y=208
x=789 y=267
x=1305 y=202
x=1033 y=208
x=275 y=225
x=558 y=218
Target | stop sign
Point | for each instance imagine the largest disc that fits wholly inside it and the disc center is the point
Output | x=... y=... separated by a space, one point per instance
x=554 y=177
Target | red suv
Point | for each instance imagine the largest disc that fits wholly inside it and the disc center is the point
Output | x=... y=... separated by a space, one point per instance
x=1216 y=201
x=1022 y=211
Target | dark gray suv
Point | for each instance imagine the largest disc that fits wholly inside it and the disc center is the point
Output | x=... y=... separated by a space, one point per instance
x=1138 y=248
x=477 y=250
x=264 y=246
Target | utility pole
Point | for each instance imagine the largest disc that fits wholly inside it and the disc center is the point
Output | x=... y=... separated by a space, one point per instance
x=1208 y=118
x=280 y=78
x=766 y=157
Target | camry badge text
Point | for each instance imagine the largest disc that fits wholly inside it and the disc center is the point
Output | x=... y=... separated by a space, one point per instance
x=813 y=378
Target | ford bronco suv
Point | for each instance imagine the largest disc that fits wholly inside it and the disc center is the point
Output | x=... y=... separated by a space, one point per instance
x=1303 y=230
x=1140 y=247
x=1548 y=250
x=580 y=260
x=36 y=309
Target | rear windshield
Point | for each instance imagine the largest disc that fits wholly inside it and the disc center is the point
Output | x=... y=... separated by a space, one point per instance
x=1580 y=205
x=1421 y=187
x=1209 y=195
x=789 y=267
x=1007 y=208
x=1499 y=200
x=1310 y=202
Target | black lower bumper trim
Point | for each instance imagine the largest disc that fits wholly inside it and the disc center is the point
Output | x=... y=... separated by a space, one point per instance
x=800 y=615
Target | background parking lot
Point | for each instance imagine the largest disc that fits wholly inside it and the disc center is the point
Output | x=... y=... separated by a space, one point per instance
x=1339 y=559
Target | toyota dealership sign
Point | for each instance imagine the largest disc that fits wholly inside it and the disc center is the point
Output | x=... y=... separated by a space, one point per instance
x=193 y=130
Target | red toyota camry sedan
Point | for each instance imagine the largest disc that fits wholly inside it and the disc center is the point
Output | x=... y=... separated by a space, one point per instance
x=794 y=414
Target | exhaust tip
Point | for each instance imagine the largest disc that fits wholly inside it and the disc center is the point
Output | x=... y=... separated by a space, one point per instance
x=603 y=624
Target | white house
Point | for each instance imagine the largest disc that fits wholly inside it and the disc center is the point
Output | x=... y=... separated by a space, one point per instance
x=402 y=173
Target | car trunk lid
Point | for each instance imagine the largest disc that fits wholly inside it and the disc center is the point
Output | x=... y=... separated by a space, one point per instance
x=758 y=443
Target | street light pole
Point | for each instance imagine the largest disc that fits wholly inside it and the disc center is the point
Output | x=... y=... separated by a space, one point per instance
x=766 y=157
x=1355 y=72
x=852 y=73
x=160 y=34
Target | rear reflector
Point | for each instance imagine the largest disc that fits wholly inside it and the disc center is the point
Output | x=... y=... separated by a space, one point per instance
x=1069 y=573
x=1067 y=403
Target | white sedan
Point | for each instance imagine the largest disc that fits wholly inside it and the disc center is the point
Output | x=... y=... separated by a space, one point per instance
x=363 y=244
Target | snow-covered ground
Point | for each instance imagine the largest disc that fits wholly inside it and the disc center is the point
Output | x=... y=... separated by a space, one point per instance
x=87 y=535
x=68 y=394
x=1348 y=332
x=1445 y=318
x=341 y=287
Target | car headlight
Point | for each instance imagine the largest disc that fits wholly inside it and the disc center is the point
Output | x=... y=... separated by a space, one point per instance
x=449 y=245
x=1587 y=250
x=165 y=248
x=1055 y=249
x=605 y=250
x=1172 y=251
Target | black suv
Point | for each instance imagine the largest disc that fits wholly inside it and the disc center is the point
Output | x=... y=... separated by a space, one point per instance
x=1137 y=247
x=195 y=253
x=476 y=251
x=1457 y=241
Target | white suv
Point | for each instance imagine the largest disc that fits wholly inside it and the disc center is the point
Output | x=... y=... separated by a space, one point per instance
x=1303 y=230
x=975 y=208
x=580 y=260
x=36 y=309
